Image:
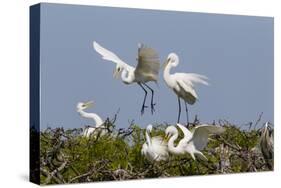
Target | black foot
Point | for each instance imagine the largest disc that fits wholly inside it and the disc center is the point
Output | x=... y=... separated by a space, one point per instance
x=187 y=125
x=142 y=109
x=152 y=107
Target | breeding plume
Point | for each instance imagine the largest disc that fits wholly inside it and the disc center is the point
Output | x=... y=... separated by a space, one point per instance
x=182 y=83
x=267 y=144
x=99 y=128
x=193 y=142
x=154 y=149
x=147 y=69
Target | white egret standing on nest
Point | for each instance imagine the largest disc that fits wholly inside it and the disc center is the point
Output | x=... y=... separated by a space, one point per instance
x=81 y=106
x=193 y=142
x=267 y=144
x=182 y=83
x=146 y=70
x=154 y=149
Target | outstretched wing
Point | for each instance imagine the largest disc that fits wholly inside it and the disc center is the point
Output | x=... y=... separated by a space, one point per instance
x=201 y=135
x=106 y=54
x=193 y=78
x=186 y=82
x=148 y=64
x=187 y=92
x=186 y=132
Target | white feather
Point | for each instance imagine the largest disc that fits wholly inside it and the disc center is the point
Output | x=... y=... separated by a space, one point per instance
x=147 y=68
x=154 y=149
x=99 y=127
x=106 y=54
x=194 y=141
x=183 y=84
x=192 y=78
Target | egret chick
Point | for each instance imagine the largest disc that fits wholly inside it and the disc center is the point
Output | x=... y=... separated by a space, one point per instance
x=154 y=149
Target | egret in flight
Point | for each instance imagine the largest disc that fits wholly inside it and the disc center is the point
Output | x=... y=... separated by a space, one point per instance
x=154 y=149
x=193 y=142
x=147 y=69
x=81 y=106
x=182 y=83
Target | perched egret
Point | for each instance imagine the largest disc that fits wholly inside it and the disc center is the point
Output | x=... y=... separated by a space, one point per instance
x=267 y=144
x=81 y=106
x=146 y=70
x=182 y=83
x=154 y=149
x=193 y=141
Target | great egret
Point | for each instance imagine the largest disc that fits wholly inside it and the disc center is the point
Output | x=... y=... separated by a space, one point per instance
x=154 y=149
x=267 y=144
x=182 y=83
x=81 y=106
x=193 y=141
x=146 y=70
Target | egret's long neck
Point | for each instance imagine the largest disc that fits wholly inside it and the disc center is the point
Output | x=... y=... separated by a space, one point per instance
x=148 y=140
x=166 y=73
x=171 y=146
x=92 y=116
x=128 y=75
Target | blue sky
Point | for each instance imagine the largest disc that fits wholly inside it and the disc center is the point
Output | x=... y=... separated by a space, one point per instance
x=235 y=52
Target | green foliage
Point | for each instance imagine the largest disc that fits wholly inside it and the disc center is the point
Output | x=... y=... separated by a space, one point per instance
x=67 y=157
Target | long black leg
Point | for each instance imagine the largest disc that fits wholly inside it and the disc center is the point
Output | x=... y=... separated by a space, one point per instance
x=143 y=104
x=186 y=111
x=179 y=110
x=152 y=104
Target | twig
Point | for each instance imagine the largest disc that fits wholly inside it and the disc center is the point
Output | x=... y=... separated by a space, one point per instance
x=221 y=139
x=258 y=120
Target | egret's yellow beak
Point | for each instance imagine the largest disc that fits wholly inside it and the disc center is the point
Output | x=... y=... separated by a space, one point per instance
x=89 y=104
x=165 y=64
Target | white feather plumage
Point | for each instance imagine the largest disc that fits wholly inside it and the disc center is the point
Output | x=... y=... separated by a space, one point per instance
x=194 y=141
x=154 y=149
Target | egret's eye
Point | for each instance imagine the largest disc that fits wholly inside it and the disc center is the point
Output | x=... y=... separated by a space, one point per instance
x=118 y=69
x=83 y=105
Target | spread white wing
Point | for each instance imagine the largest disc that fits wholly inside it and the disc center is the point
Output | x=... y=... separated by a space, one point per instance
x=106 y=54
x=186 y=83
x=192 y=78
x=187 y=92
x=187 y=134
x=148 y=64
x=201 y=135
